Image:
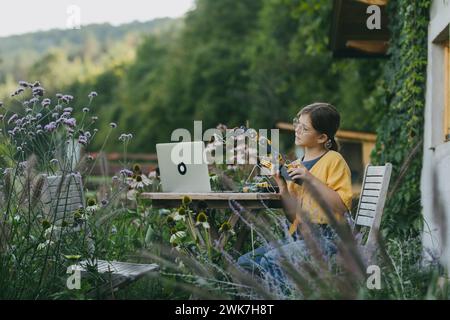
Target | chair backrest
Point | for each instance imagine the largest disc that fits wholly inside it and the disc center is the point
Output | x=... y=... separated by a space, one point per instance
x=62 y=196
x=372 y=198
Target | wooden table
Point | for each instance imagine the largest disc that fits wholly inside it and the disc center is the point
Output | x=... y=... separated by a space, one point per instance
x=215 y=200
x=219 y=200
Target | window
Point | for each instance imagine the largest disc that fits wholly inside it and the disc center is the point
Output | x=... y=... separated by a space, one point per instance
x=447 y=92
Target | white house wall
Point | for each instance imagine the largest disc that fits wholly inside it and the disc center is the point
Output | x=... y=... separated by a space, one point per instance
x=436 y=233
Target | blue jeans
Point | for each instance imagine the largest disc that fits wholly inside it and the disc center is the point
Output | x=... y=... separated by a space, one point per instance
x=266 y=260
x=251 y=261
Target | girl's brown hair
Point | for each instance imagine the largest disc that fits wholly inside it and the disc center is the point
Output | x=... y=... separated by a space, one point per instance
x=324 y=119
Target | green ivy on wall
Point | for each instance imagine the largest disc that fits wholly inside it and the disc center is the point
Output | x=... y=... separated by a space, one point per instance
x=401 y=102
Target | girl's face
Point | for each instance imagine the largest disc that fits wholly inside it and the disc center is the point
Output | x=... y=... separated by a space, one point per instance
x=305 y=134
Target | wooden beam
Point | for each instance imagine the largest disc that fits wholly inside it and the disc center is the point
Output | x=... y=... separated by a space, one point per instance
x=285 y=126
x=376 y=2
x=367 y=148
x=376 y=47
x=356 y=136
x=349 y=20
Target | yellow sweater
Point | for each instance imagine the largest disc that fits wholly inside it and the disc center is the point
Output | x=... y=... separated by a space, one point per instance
x=332 y=170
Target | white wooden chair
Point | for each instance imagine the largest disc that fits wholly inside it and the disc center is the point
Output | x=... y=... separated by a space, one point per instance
x=60 y=200
x=371 y=204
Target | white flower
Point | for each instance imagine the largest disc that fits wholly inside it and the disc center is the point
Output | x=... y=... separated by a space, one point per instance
x=131 y=194
x=146 y=180
x=140 y=181
x=203 y=224
x=202 y=220
x=92 y=209
x=177 y=236
x=53 y=232
x=178 y=217
x=164 y=211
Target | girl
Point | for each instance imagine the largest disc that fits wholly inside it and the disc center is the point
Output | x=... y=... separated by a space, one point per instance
x=322 y=169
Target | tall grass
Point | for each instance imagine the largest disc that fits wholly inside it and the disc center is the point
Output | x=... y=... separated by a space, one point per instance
x=312 y=274
x=37 y=244
x=196 y=246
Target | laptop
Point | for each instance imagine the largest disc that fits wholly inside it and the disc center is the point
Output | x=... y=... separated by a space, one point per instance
x=182 y=167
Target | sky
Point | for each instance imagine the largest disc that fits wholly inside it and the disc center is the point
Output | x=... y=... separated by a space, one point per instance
x=22 y=16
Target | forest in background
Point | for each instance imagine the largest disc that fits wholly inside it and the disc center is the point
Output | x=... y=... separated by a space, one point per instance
x=224 y=62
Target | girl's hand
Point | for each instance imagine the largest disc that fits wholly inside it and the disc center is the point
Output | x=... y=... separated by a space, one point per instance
x=282 y=185
x=299 y=172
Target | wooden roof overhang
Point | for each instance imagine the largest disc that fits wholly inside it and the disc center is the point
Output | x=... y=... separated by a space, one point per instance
x=350 y=37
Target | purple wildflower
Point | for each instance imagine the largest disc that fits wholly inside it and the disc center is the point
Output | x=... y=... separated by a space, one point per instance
x=1 y=104
x=70 y=122
x=125 y=137
x=85 y=110
x=95 y=118
x=67 y=98
x=92 y=95
x=17 y=92
x=36 y=84
x=50 y=127
x=34 y=100
x=126 y=173
x=68 y=109
x=59 y=95
x=113 y=125
x=82 y=140
x=38 y=91
x=46 y=102
x=24 y=84
x=13 y=117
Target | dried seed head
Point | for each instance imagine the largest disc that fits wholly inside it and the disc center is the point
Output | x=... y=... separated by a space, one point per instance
x=201 y=217
x=186 y=200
